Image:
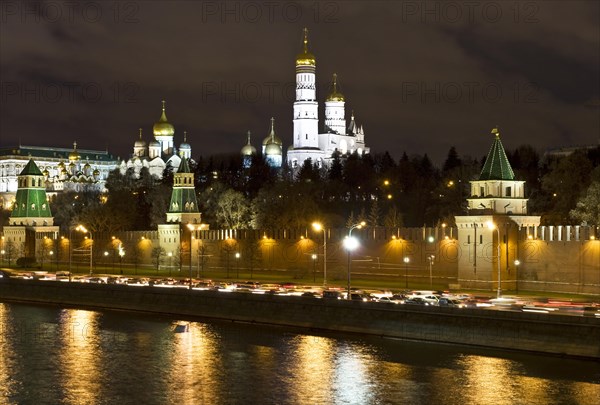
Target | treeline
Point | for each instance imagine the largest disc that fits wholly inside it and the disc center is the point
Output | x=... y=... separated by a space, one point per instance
x=375 y=188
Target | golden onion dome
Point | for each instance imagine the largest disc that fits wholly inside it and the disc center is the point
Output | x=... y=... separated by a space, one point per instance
x=96 y=172
x=63 y=171
x=273 y=149
x=46 y=173
x=71 y=165
x=305 y=58
x=140 y=142
x=87 y=166
x=163 y=127
x=184 y=145
x=248 y=149
x=74 y=155
x=335 y=95
x=272 y=137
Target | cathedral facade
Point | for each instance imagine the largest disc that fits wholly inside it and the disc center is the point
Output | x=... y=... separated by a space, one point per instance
x=160 y=153
x=310 y=140
x=62 y=169
x=337 y=135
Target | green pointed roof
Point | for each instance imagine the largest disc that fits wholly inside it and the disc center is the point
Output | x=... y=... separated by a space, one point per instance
x=497 y=166
x=31 y=169
x=184 y=167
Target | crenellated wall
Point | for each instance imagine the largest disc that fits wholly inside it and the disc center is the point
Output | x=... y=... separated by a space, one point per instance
x=552 y=259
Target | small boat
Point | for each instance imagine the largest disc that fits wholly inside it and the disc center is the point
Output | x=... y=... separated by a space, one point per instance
x=181 y=327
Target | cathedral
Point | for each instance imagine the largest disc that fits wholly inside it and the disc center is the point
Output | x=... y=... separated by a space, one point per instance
x=337 y=135
x=160 y=152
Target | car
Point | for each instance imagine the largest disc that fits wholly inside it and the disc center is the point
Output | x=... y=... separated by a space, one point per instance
x=431 y=299
x=450 y=302
x=388 y=300
x=332 y=294
x=416 y=301
x=311 y=294
x=359 y=297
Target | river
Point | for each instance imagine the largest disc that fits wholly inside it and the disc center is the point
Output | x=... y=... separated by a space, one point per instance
x=51 y=355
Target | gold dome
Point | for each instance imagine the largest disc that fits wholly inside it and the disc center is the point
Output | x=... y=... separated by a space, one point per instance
x=305 y=58
x=61 y=164
x=96 y=172
x=140 y=142
x=74 y=155
x=272 y=138
x=163 y=127
x=248 y=149
x=46 y=173
x=335 y=95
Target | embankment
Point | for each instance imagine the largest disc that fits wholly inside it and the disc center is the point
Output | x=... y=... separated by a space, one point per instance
x=552 y=334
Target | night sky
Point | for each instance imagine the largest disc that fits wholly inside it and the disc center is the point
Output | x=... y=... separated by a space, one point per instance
x=420 y=76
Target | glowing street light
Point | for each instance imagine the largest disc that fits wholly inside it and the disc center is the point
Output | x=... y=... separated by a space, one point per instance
x=350 y=244
x=493 y=226
x=317 y=226
x=406 y=261
x=81 y=228
x=431 y=259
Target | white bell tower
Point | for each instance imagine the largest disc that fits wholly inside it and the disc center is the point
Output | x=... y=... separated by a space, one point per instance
x=306 y=108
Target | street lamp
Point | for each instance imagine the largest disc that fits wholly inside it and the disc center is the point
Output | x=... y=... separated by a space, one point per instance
x=406 y=261
x=170 y=254
x=517 y=262
x=351 y=243
x=493 y=226
x=82 y=228
x=314 y=258
x=431 y=259
x=237 y=264
x=319 y=227
x=121 y=254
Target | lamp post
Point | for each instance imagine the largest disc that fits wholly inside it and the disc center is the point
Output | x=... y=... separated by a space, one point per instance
x=314 y=258
x=493 y=226
x=319 y=227
x=121 y=254
x=431 y=259
x=170 y=254
x=82 y=228
x=406 y=261
x=517 y=262
x=237 y=264
x=351 y=243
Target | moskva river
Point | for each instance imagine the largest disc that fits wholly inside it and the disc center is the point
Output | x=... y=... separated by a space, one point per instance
x=50 y=355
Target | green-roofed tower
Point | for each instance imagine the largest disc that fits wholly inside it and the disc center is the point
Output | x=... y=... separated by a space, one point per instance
x=184 y=205
x=489 y=234
x=496 y=191
x=31 y=207
x=497 y=166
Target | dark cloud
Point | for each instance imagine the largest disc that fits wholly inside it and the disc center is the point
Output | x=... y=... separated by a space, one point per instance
x=419 y=79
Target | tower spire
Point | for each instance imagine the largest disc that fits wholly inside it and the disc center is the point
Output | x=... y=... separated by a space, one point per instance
x=184 y=136
x=140 y=134
x=305 y=40
x=248 y=137
x=272 y=132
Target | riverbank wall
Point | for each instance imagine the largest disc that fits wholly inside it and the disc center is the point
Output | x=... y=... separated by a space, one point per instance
x=532 y=332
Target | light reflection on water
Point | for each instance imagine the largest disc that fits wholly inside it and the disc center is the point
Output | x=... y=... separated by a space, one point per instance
x=70 y=356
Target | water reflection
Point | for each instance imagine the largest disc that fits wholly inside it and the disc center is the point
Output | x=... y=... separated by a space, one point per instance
x=311 y=368
x=6 y=356
x=193 y=375
x=48 y=355
x=79 y=353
